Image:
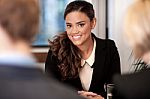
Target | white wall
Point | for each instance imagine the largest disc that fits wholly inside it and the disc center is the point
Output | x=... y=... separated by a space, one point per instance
x=99 y=6
x=117 y=10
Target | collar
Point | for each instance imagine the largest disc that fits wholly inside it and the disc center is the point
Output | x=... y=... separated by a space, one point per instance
x=91 y=59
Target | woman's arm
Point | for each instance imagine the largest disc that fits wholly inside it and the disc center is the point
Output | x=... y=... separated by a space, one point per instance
x=114 y=65
x=51 y=67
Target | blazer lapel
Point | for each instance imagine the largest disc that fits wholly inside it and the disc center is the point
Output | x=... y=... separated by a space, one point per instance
x=100 y=55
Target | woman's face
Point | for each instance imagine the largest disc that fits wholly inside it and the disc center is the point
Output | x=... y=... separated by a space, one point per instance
x=78 y=27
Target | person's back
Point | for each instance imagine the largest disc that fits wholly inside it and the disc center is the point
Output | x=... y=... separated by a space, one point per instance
x=31 y=83
x=19 y=76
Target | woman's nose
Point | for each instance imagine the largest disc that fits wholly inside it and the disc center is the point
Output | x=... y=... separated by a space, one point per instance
x=75 y=30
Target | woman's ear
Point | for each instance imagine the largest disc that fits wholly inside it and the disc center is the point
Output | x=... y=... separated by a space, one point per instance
x=93 y=23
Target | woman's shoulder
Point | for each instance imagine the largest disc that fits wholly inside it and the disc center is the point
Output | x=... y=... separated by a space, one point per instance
x=106 y=42
x=100 y=40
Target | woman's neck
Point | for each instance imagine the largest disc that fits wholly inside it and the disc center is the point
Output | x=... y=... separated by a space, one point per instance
x=87 y=49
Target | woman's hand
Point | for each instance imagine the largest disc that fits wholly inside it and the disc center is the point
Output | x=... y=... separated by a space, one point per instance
x=90 y=95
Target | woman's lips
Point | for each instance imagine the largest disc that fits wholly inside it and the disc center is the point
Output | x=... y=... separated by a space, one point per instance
x=76 y=37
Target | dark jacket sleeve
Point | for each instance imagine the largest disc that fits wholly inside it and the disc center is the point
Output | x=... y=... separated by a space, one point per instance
x=114 y=59
x=51 y=67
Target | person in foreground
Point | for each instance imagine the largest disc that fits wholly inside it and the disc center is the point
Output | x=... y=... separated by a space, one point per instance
x=80 y=59
x=19 y=76
x=137 y=30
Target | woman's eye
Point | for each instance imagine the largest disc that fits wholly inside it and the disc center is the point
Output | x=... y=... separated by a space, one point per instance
x=68 y=26
x=81 y=25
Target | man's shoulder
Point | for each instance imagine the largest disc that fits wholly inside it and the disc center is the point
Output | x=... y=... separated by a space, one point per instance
x=133 y=85
x=16 y=80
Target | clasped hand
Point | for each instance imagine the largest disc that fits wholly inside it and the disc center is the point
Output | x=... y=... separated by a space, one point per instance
x=89 y=95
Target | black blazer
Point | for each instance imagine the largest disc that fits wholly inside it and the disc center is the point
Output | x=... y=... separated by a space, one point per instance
x=132 y=86
x=107 y=63
x=31 y=83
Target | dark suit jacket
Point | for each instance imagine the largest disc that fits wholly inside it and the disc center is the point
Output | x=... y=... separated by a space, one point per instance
x=107 y=63
x=132 y=86
x=31 y=83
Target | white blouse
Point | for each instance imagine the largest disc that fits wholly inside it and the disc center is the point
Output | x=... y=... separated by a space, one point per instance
x=86 y=71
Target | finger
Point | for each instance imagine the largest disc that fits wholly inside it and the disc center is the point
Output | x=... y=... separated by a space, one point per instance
x=88 y=94
x=80 y=92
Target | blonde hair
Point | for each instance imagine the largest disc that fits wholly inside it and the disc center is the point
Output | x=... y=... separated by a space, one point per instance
x=137 y=26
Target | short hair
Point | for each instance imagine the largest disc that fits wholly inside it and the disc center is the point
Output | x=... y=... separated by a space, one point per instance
x=137 y=26
x=20 y=18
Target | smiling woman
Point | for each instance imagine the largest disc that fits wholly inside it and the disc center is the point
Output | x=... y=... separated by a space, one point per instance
x=52 y=22
x=78 y=27
x=77 y=53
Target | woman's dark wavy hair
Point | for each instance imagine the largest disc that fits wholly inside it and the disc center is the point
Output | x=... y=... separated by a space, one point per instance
x=80 y=6
x=69 y=60
x=68 y=55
